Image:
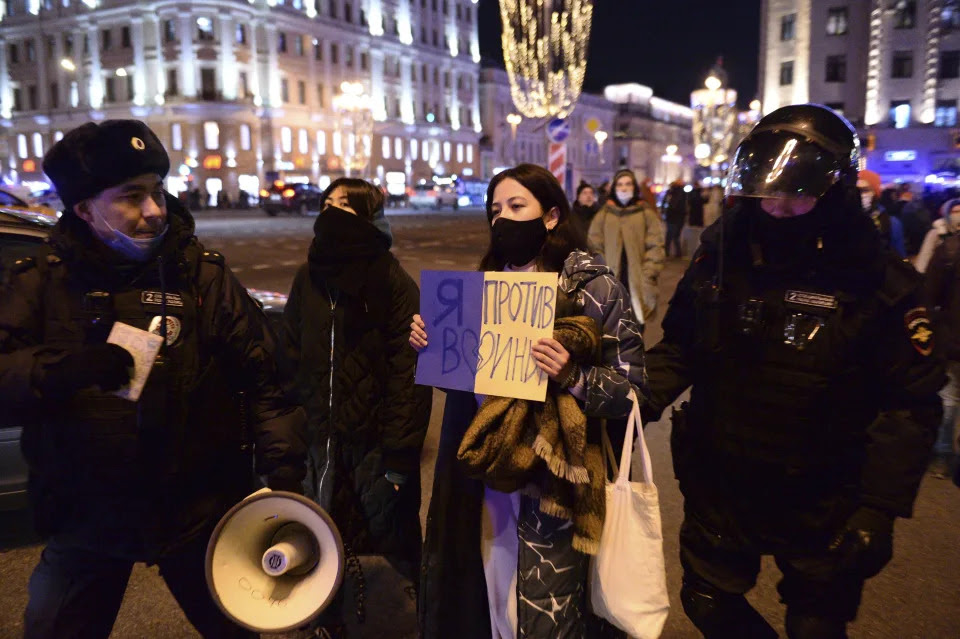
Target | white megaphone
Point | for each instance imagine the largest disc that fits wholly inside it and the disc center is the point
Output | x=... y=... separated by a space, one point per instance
x=274 y=562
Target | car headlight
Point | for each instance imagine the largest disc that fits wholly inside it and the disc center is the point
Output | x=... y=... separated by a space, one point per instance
x=464 y=200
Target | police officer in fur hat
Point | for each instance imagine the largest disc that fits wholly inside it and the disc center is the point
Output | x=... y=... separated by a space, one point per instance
x=814 y=386
x=115 y=480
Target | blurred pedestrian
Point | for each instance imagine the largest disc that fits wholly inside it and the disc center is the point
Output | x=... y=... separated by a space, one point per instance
x=942 y=289
x=916 y=221
x=345 y=329
x=115 y=481
x=494 y=564
x=713 y=206
x=585 y=206
x=646 y=192
x=628 y=235
x=675 y=214
x=808 y=355
x=947 y=224
x=889 y=227
x=690 y=236
x=603 y=192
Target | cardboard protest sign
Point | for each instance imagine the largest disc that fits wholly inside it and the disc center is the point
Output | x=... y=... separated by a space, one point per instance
x=481 y=328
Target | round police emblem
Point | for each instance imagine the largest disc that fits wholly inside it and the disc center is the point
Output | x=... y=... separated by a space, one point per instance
x=173 y=328
x=138 y=144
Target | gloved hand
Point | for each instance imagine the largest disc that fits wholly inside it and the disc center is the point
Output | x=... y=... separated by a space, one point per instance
x=105 y=365
x=865 y=543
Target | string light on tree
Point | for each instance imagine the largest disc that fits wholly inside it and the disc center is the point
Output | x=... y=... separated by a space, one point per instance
x=545 y=52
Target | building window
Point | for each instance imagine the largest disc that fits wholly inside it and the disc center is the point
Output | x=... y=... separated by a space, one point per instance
x=129 y=83
x=413 y=149
x=320 y=95
x=243 y=90
x=364 y=61
x=334 y=53
x=836 y=68
x=946 y=113
x=244 y=137
x=348 y=12
x=211 y=136
x=317 y=50
x=284 y=90
x=302 y=91
x=208 y=84
x=904 y=14
x=321 y=143
x=205 y=29
x=337 y=143
x=835 y=106
x=31 y=51
x=949 y=65
x=436 y=38
x=900 y=113
x=298 y=45
x=460 y=153
x=398 y=148
x=788 y=27
x=125 y=37
x=286 y=139
x=303 y=141
x=902 y=66
x=37 y=145
x=176 y=137
x=333 y=9
x=469 y=154
x=22 y=146
x=386 y=147
x=169 y=31
x=950 y=16
x=74 y=94
x=55 y=95
x=110 y=90
x=106 y=40
x=68 y=44
x=446 y=151
x=786 y=73
x=348 y=56
x=241 y=34
x=281 y=42
x=837 y=21
x=172 y=88
x=14 y=54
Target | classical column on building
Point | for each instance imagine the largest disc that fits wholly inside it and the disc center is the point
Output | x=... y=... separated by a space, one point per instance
x=874 y=63
x=374 y=10
x=63 y=91
x=273 y=67
x=80 y=75
x=453 y=99
x=43 y=86
x=6 y=96
x=139 y=61
x=188 y=59
x=407 y=110
x=475 y=107
x=96 y=72
x=377 y=95
x=404 y=22
x=253 y=73
x=156 y=71
x=928 y=104
x=228 y=62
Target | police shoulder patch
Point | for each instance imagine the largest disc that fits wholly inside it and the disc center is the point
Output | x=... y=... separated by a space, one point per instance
x=919 y=329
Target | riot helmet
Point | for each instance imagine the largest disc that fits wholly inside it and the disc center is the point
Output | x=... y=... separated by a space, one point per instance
x=797 y=151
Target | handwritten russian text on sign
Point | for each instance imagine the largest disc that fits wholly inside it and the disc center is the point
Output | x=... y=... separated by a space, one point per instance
x=482 y=327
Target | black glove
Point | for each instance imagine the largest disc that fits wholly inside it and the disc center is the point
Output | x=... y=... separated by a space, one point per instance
x=105 y=365
x=865 y=543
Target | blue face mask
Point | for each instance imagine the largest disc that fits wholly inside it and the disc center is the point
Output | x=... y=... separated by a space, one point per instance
x=133 y=248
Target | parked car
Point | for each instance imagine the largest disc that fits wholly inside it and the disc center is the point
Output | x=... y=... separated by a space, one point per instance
x=434 y=196
x=290 y=198
x=13 y=200
x=22 y=234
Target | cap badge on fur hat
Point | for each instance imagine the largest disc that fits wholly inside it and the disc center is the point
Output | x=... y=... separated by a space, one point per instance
x=138 y=144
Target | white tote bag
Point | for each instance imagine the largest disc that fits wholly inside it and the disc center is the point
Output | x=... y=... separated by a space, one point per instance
x=628 y=581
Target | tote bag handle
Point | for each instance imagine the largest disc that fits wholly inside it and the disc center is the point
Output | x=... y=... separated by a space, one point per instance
x=634 y=424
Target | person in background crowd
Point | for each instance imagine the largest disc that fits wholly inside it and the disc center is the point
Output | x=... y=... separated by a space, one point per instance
x=495 y=566
x=947 y=224
x=675 y=213
x=803 y=438
x=916 y=220
x=345 y=329
x=942 y=296
x=889 y=227
x=115 y=481
x=646 y=192
x=690 y=235
x=585 y=206
x=628 y=235
x=603 y=192
x=713 y=206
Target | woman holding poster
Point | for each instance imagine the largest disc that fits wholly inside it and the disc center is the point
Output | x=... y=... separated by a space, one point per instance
x=345 y=329
x=494 y=565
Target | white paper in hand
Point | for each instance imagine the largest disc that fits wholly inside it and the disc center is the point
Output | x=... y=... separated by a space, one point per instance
x=144 y=347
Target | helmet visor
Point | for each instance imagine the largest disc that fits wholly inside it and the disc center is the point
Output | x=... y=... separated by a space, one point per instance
x=780 y=164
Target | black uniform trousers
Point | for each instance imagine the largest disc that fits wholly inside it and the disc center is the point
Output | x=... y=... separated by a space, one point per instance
x=76 y=593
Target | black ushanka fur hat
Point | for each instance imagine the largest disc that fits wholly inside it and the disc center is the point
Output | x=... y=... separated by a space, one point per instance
x=98 y=156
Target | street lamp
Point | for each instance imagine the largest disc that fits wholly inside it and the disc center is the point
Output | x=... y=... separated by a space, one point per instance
x=600 y=136
x=713 y=82
x=755 y=105
x=514 y=120
x=68 y=65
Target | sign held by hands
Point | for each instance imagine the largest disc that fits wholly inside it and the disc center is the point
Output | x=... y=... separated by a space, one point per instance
x=481 y=328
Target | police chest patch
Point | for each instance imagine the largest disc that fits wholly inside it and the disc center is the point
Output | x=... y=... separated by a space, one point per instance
x=174 y=326
x=156 y=297
x=920 y=330
x=815 y=300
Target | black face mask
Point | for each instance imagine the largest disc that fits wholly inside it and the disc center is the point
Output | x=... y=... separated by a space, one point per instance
x=517 y=243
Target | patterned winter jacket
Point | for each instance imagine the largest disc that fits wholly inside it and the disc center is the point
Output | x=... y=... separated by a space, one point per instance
x=552 y=594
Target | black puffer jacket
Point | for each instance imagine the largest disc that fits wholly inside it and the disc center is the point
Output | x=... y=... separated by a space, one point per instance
x=137 y=479
x=354 y=374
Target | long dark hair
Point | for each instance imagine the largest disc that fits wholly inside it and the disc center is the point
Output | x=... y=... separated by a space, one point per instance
x=566 y=236
x=363 y=197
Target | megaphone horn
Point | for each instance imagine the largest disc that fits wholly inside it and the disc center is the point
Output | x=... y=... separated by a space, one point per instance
x=274 y=562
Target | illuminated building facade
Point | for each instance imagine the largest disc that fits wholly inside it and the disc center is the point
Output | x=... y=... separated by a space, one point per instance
x=892 y=67
x=238 y=90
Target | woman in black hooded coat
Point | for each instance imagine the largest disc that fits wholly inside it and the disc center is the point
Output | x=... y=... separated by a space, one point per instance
x=345 y=331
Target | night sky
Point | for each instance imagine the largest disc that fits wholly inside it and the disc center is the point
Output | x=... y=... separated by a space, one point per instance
x=667 y=45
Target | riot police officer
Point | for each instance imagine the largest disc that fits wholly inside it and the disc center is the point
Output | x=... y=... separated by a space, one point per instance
x=814 y=388
x=116 y=481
